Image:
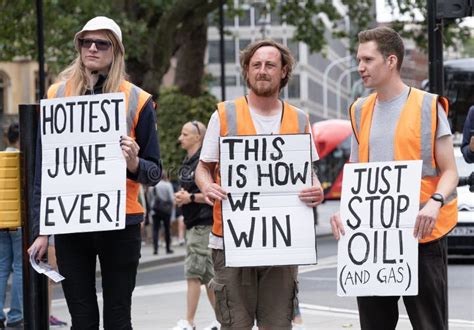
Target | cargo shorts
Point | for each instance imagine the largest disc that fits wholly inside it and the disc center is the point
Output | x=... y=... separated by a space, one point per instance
x=245 y=294
x=198 y=262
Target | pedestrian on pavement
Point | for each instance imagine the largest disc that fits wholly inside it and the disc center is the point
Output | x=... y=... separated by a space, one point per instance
x=11 y=257
x=467 y=145
x=163 y=204
x=246 y=294
x=197 y=214
x=100 y=68
x=391 y=124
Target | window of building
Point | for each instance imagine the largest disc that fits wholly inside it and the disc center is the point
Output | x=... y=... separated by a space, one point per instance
x=275 y=18
x=228 y=21
x=294 y=87
x=229 y=81
x=229 y=51
x=244 y=18
x=279 y=40
x=261 y=16
x=3 y=91
x=295 y=49
x=244 y=43
x=213 y=19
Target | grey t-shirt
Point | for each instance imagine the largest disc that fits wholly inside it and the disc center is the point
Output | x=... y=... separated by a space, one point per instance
x=384 y=123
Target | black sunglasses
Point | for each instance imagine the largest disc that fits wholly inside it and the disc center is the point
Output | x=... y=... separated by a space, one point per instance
x=195 y=124
x=100 y=44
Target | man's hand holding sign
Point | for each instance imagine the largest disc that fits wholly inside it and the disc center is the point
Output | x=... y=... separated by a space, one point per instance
x=265 y=183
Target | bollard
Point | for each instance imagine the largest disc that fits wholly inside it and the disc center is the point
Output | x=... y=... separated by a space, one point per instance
x=35 y=286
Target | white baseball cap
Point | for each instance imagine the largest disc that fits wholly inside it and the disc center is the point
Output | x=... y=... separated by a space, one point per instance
x=101 y=23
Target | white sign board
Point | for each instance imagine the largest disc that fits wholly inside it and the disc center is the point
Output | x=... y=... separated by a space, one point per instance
x=378 y=255
x=83 y=174
x=264 y=221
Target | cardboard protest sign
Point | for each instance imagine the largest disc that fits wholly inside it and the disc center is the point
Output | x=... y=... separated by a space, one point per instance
x=378 y=255
x=264 y=221
x=83 y=174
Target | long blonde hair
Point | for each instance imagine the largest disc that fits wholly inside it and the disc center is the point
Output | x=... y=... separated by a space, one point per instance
x=77 y=77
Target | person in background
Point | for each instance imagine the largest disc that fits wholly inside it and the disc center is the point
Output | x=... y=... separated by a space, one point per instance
x=467 y=145
x=197 y=214
x=100 y=68
x=163 y=204
x=11 y=257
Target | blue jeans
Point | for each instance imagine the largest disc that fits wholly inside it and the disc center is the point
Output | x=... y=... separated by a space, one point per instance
x=11 y=261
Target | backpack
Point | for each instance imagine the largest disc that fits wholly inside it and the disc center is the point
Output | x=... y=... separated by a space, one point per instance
x=162 y=206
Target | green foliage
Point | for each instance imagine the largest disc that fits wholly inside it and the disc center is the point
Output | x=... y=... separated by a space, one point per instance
x=174 y=110
x=468 y=50
x=310 y=18
x=410 y=26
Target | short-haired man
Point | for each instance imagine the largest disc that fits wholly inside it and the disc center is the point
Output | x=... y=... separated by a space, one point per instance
x=246 y=294
x=397 y=122
x=197 y=214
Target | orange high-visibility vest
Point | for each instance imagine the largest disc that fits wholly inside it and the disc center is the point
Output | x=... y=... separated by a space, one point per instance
x=135 y=100
x=415 y=137
x=235 y=119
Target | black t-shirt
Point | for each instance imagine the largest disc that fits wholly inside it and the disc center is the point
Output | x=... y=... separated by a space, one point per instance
x=195 y=214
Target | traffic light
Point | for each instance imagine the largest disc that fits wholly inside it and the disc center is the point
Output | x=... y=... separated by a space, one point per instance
x=453 y=8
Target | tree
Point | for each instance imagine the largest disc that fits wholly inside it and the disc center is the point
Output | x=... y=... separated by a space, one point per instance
x=153 y=32
x=156 y=30
x=411 y=23
x=175 y=109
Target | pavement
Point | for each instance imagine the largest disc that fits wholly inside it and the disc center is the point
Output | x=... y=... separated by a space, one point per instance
x=160 y=306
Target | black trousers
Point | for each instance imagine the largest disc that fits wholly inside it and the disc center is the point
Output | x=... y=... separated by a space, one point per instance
x=427 y=310
x=159 y=217
x=119 y=253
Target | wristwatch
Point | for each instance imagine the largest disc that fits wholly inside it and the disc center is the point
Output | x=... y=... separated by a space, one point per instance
x=192 y=197
x=438 y=197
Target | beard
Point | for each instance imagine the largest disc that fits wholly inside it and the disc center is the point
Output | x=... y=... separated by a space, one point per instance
x=265 y=90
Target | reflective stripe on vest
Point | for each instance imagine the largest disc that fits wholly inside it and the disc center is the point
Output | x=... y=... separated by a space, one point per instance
x=135 y=100
x=419 y=114
x=231 y=117
x=235 y=119
x=426 y=134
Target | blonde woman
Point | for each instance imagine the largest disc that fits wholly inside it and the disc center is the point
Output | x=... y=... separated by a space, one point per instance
x=100 y=68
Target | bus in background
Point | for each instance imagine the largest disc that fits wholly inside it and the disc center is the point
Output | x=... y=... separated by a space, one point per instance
x=459 y=87
x=333 y=143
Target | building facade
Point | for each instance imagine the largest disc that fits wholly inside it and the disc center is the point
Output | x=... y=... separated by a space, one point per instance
x=18 y=85
x=321 y=85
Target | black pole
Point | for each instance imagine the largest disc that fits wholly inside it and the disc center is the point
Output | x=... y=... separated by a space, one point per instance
x=35 y=286
x=39 y=28
x=221 y=48
x=435 y=50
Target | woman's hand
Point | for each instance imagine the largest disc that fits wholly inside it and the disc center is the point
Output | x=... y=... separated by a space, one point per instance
x=40 y=245
x=130 y=151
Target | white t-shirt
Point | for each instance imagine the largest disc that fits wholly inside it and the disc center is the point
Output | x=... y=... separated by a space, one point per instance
x=263 y=125
x=210 y=147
